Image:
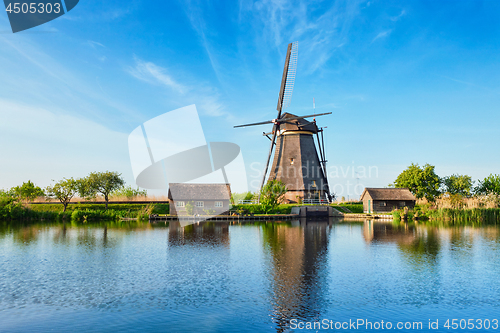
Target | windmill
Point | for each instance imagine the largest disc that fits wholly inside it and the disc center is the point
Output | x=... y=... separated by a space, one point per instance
x=296 y=161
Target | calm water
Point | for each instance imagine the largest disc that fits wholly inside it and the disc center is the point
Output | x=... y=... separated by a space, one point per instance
x=225 y=277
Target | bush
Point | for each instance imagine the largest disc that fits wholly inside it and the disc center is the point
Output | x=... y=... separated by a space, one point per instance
x=129 y=193
x=10 y=208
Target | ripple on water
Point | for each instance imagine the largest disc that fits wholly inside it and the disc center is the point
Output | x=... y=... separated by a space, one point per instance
x=234 y=278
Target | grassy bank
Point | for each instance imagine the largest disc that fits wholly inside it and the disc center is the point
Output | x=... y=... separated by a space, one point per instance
x=12 y=210
x=351 y=207
x=259 y=209
x=123 y=210
x=21 y=213
x=287 y=208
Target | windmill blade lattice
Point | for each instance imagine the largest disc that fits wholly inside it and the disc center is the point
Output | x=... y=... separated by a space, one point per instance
x=290 y=78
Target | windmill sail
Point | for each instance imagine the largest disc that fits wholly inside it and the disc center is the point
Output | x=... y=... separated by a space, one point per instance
x=283 y=120
x=285 y=94
x=290 y=77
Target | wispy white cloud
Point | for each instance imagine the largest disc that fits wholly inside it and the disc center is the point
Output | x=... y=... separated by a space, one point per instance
x=328 y=106
x=194 y=12
x=465 y=82
x=94 y=43
x=211 y=105
x=279 y=22
x=206 y=97
x=355 y=97
x=152 y=73
x=382 y=34
x=396 y=18
x=46 y=81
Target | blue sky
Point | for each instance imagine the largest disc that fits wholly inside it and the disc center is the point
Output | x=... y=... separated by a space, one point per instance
x=407 y=81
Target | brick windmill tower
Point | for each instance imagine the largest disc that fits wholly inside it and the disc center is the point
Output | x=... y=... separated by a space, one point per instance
x=297 y=162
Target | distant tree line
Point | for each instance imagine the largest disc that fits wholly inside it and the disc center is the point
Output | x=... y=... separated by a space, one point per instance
x=423 y=182
x=106 y=184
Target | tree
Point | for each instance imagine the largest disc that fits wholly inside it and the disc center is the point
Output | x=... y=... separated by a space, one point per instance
x=189 y=208
x=129 y=192
x=421 y=181
x=5 y=194
x=101 y=182
x=85 y=189
x=249 y=196
x=458 y=184
x=490 y=184
x=64 y=190
x=28 y=191
x=272 y=194
x=245 y=196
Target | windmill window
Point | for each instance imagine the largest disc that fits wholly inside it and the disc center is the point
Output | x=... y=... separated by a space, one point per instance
x=179 y=204
x=218 y=204
x=402 y=204
x=313 y=183
x=291 y=161
x=199 y=204
x=383 y=203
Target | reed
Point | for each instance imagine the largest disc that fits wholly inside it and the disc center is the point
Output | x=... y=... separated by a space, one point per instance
x=145 y=212
x=467 y=216
x=457 y=201
x=457 y=210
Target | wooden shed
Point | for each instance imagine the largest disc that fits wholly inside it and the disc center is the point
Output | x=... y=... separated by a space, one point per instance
x=383 y=200
x=207 y=199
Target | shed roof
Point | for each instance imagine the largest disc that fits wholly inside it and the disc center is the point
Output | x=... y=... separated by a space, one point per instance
x=388 y=194
x=183 y=191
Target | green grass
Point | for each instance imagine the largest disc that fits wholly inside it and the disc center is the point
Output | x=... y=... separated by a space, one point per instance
x=354 y=207
x=287 y=208
x=123 y=210
x=12 y=210
x=258 y=209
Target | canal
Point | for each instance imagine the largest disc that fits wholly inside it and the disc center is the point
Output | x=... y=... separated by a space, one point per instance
x=248 y=277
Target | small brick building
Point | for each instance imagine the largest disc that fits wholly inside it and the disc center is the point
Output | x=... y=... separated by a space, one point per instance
x=383 y=200
x=207 y=199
